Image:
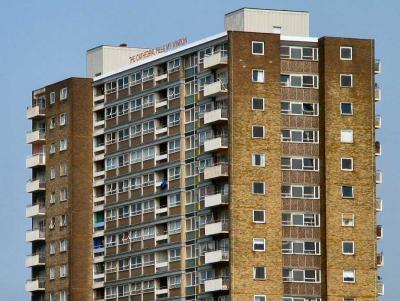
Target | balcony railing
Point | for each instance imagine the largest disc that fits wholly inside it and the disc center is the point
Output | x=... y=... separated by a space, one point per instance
x=35 y=160
x=35 y=210
x=35 y=136
x=217 y=227
x=35 y=259
x=378 y=121
x=215 y=60
x=216 y=199
x=378 y=177
x=379 y=205
x=35 y=234
x=377 y=66
x=378 y=148
x=217 y=284
x=35 y=111
x=216 y=171
x=216 y=88
x=217 y=115
x=216 y=256
x=216 y=143
x=379 y=259
x=378 y=94
x=35 y=284
x=380 y=287
x=35 y=185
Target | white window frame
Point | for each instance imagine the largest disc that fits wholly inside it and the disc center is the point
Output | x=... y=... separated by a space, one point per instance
x=52 y=173
x=63 y=271
x=288 y=83
x=258 y=80
x=63 y=93
x=52 y=248
x=63 y=119
x=258 y=98
x=52 y=148
x=264 y=216
x=354 y=276
x=254 y=273
x=346 y=136
x=262 y=160
x=257 y=193
x=260 y=298
x=353 y=246
x=346 y=114
x=63 y=245
x=344 y=217
x=257 y=42
x=252 y=131
x=352 y=192
x=351 y=78
x=52 y=97
x=52 y=273
x=63 y=144
x=259 y=241
x=346 y=158
x=351 y=53
x=292 y=103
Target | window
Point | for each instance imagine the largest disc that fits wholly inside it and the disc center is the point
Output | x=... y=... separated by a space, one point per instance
x=63 y=220
x=52 y=173
x=123 y=82
x=63 y=169
x=259 y=216
x=348 y=220
x=111 y=112
x=63 y=194
x=347 y=192
x=300 y=191
x=298 y=275
x=63 y=119
x=301 y=247
x=111 y=292
x=259 y=273
x=349 y=276
x=258 y=160
x=52 y=248
x=175 y=281
x=258 y=75
x=258 y=104
x=52 y=123
x=175 y=254
x=257 y=47
x=63 y=295
x=173 y=92
x=63 y=144
x=174 y=146
x=348 y=247
x=346 y=136
x=63 y=93
x=53 y=297
x=148 y=74
x=299 y=108
x=299 y=81
x=346 y=80
x=174 y=65
x=300 y=219
x=174 y=200
x=63 y=245
x=52 y=148
x=52 y=97
x=52 y=273
x=136 y=78
x=52 y=197
x=260 y=298
x=289 y=163
x=347 y=164
x=123 y=108
x=63 y=271
x=259 y=187
x=299 y=53
x=349 y=299
x=258 y=131
x=259 y=244
x=299 y=136
x=346 y=53
x=346 y=108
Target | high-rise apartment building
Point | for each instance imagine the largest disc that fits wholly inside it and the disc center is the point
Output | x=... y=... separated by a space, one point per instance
x=238 y=167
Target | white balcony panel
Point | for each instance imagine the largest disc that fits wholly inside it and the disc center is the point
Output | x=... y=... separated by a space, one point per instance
x=161 y=130
x=378 y=177
x=378 y=93
x=34 y=285
x=379 y=205
x=35 y=136
x=35 y=160
x=215 y=60
x=220 y=170
x=161 y=157
x=215 y=89
x=215 y=116
x=33 y=112
x=215 y=285
x=35 y=185
x=34 y=260
x=161 y=237
x=378 y=121
x=161 y=77
x=33 y=235
x=215 y=144
x=216 y=256
x=215 y=200
x=35 y=210
x=163 y=291
x=216 y=228
x=98 y=284
x=380 y=288
x=161 y=210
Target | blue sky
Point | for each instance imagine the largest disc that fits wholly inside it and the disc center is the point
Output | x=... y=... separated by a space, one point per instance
x=45 y=41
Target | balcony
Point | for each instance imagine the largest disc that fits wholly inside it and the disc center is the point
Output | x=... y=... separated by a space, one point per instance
x=35 y=185
x=217 y=199
x=35 y=136
x=35 y=285
x=161 y=130
x=216 y=256
x=378 y=94
x=218 y=115
x=379 y=231
x=34 y=260
x=217 y=228
x=34 y=235
x=378 y=121
x=35 y=112
x=379 y=259
x=378 y=148
x=214 y=144
x=161 y=266
x=218 y=284
x=161 y=77
x=161 y=103
x=217 y=88
x=377 y=66
x=379 y=205
x=378 y=177
x=35 y=160
x=215 y=60
x=216 y=171
x=380 y=287
x=35 y=210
